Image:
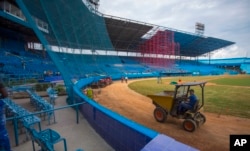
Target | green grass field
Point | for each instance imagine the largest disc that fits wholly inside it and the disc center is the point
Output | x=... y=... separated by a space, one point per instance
x=227 y=95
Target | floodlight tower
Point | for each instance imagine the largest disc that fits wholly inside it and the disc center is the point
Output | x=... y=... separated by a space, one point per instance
x=95 y=3
x=199 y=28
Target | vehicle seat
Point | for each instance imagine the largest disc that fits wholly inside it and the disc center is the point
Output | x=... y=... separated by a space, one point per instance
x=196 y=107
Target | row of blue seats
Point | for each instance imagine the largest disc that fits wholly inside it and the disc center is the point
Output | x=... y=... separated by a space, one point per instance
x=26 y=117
x=41 y=104
x=44 y=138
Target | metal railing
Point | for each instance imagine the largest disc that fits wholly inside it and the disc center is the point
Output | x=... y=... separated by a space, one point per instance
x=16 y=118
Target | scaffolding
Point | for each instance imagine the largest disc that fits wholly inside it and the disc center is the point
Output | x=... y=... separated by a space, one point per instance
x=161 y=47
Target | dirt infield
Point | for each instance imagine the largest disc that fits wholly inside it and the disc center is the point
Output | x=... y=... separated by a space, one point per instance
x=213 y=135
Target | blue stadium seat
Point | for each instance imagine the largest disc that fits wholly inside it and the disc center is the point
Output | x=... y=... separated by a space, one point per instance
x=46 y=138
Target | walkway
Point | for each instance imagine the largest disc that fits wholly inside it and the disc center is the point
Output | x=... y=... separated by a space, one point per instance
x=78 y=136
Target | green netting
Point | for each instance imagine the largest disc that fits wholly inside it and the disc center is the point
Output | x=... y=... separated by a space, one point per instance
x=72 y=28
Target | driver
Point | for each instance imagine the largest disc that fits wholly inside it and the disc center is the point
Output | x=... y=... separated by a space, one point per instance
x=189 y=104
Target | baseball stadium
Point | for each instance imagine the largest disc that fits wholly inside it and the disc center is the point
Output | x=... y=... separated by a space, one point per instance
x=78 y=79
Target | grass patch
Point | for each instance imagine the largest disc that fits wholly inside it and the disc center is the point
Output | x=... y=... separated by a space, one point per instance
x=229 y=95
x=233 y=81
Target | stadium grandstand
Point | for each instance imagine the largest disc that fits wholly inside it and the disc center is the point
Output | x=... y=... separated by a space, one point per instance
x=71 y=41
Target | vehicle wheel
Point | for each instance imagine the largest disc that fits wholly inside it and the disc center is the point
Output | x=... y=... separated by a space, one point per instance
x=160 y=114
x=189 y=125
x=203 y=118
x=200 y=117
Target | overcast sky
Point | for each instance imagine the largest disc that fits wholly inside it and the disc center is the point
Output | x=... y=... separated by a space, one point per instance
x=224 y=19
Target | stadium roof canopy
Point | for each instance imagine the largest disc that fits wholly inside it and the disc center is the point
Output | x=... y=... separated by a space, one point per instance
x=126 y=34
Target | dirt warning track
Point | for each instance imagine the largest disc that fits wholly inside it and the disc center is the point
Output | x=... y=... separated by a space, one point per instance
x=213 y=135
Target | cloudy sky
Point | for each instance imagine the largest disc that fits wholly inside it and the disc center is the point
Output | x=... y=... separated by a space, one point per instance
x=224 y=19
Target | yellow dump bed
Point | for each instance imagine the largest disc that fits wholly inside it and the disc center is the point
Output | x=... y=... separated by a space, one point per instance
x=163 y=99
